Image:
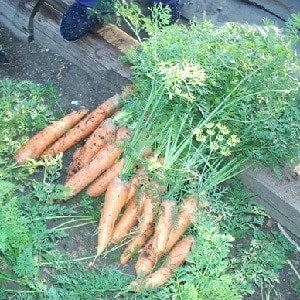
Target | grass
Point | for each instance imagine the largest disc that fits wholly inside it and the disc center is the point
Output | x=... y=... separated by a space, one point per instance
x=191 y=116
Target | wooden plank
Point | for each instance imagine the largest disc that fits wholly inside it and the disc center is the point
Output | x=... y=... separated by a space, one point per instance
x=117 y=37
x=17 y=15
x=91 y=53
x=280 y=198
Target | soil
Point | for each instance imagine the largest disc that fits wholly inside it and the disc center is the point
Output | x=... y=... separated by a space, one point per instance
x=29 y=61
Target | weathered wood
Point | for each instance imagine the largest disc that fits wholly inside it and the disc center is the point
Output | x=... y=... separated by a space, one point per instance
x=17 y=16
x=280 y=198
x=117 y=37
x=91 y=53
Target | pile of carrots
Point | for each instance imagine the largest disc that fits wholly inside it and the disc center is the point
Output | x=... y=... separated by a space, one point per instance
x=133 y=211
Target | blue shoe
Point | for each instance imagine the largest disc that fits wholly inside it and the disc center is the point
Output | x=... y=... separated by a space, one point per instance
x=175 y=11
x=77 y=21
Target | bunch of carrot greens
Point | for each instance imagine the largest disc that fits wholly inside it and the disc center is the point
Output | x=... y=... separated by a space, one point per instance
x=205 y=100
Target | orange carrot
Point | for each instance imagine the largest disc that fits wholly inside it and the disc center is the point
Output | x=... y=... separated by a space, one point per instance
x=156 y=245
x=115 y=199
x=85 y=127
x=155 y=279
x=135 y=245
x=176 y=257
x=136 y=181
x=39 y=142
x=182 y=222
x=144 y=230
x=99 y=186
x=146 y=259
x=104 y=133
x=164 y=226
x=103 y=160
x=128 y=219
x=178 y=253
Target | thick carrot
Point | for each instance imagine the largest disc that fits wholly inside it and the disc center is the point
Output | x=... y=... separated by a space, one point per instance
x=85 y=127
x=176 y=257
x=104 y=133
x=158 y=278
x=39 y=142
x=103 y=160
x=178 y=253
x=99 y=185
x=154 y=280
x=156 y=245
x=183 y=220
x=128 y=219
x=115 y=199
x=146 y=259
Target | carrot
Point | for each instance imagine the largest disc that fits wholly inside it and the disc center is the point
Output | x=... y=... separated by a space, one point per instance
x=144 y=231
x=136 y=181
x=85 y=127
x=146 y=259
x=156 y=245
x=128 y=219
x=99 y=185
x=176 y=257
x=115 y=199
x=178 y=253
x=135 y=245
x=183 y=220
x=164 y=226
x=105 y=132
x=39 y=142
x=103 y=160
x=145 y=226
x=156 y=279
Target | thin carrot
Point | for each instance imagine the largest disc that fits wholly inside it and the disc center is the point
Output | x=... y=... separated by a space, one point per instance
x=136 y=181
x=39 y=142
x=115 y=199
x=164 y=226
x=183 y=221
x=156 y=245
x=135 y=245
x=144 y=231
x=128 y=219
x=103 y=160
x=104 y=133
x=145 y=228
x=85 y=127
x=99 y=185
